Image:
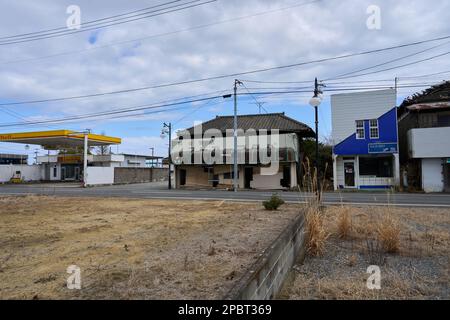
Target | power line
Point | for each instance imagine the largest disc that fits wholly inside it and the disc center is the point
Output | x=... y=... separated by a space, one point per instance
x=400 y=66
x=162 y=34
x=238 y=74
x=124 y=113
x=259 y=104
x=345 y=75
x=208 y=104
x=115 y=112
x=426 y=75
x=89 y=22
x=59 y=34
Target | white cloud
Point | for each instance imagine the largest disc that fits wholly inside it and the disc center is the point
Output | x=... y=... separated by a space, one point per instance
x=322 y=29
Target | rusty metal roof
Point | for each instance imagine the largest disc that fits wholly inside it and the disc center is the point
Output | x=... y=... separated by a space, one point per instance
x=438 y=95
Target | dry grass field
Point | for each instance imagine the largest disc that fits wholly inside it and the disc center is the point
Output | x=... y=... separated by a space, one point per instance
x=130 y=249
x=411 y=246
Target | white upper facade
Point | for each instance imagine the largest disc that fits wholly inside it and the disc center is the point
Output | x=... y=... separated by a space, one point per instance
x=429 y=143
x=347 y=108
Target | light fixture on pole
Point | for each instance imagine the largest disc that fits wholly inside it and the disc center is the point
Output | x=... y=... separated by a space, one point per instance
x=315 y=102
x=167 y=131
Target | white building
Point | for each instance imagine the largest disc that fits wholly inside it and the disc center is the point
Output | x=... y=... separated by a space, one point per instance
x=424 y=128
x=365 y=140
x=216 y=137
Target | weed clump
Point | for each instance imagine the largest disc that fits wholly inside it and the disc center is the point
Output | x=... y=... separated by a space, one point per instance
x=273 y=203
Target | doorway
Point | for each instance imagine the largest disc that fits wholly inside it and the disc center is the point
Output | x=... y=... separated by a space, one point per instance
x=182 y=177
x=286 y=182
x=349 y=174
x=447 y=177
x=248 y=178
x=70 y=172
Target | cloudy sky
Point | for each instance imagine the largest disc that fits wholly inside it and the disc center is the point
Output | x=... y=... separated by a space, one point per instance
x=216 y=38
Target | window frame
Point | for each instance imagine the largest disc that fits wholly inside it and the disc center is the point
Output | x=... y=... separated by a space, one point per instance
x=377 y=128
x=360 y=128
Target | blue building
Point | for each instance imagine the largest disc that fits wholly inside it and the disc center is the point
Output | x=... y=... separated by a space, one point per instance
x=365 y=140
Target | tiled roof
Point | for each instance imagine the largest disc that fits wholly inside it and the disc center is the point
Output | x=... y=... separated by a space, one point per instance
x=437 y=93
x=271 y=121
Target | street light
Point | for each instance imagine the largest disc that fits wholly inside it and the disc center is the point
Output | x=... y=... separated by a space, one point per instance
x=167 y=131
x=315 y=102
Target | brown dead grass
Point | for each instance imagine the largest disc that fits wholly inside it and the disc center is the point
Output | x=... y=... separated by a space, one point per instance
x=344 y=222
x=130 y=249
x=411 y=246
x=389 y=233
x=315 y=231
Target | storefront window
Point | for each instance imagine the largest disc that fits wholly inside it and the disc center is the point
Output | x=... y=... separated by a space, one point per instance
x=380 y=167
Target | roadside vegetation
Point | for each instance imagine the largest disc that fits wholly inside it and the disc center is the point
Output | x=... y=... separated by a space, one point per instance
x=273 y=203
x=129 y=248
x=410 y=245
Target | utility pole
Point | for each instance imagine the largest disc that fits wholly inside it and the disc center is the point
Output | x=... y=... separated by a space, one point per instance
x=235 y=155
x=315 y=102
x=85 y=160
x=167 y=128
x=153 y=155
x=316 y=94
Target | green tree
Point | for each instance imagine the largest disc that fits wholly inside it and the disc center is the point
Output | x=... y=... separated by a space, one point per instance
x=325 y=157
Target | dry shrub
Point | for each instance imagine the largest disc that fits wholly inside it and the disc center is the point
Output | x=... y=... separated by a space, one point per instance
x=344 y=222
x=315 y=229
x=389 y=234
x=273 y=203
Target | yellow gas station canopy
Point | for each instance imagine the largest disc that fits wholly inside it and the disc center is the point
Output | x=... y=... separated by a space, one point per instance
x=58 y=139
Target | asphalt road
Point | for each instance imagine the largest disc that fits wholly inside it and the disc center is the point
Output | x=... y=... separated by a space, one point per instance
x=159 y=191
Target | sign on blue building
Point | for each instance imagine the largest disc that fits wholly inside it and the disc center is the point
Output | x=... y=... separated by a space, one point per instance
x=387 y=148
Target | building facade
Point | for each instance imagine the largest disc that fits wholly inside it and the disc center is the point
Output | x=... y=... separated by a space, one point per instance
x=365 y=140
x=424 y=133
x=210 y=150
x=69 y=167
x=13 y=158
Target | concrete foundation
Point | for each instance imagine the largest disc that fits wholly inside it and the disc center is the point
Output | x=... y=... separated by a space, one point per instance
x=265 y=278
x=139 y=175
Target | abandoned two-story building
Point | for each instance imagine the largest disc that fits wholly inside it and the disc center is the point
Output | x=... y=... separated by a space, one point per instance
x=380 y=146
x=365 y=138
x=269 y=155
x=424 y=135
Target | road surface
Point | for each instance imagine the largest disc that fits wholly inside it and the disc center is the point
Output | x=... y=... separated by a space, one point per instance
x=159 y=191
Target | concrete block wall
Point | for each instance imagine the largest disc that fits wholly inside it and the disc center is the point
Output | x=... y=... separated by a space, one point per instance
x=264 y=280
x=99 y=176
x=29 y=173
x=139 y=175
